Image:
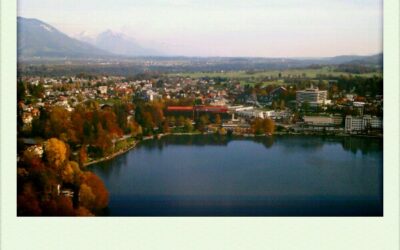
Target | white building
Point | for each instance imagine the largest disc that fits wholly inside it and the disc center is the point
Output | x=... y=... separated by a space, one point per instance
x=313 y=96
x=250 y=113
x=103 y=89
x=256 y=113
x=359 y=106
x=36 y=150
x=319 y=120
x=361 y=123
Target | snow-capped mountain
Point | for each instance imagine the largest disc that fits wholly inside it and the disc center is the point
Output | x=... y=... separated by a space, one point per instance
x=117 y=43
x=39 y=39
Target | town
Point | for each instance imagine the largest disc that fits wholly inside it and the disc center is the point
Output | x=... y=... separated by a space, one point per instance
x=333 y=106
x=92 y=118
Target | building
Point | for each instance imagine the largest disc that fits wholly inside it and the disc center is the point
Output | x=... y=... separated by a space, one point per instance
x=36 y=150
x=359 y=106
x=103 y=89
x=313 y=96
x=319 y=120
x=326 y=124
x=257 y=113
x=357 y=124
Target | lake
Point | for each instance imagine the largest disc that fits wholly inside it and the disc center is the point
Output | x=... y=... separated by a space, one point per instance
x=210 y=175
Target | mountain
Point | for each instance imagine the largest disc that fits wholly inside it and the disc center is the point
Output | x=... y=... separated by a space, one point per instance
x=85 y=37
x=39 y=39
x=117 y=43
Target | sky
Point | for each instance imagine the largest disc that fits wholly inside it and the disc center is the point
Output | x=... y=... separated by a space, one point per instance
x=254 y=28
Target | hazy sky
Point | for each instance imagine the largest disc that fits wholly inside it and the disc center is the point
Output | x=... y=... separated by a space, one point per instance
x=266 y=28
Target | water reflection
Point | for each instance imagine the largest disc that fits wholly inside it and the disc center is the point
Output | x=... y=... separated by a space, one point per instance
x=289 y=143
x=211 y=175
x=365 y=145
x=111 y=167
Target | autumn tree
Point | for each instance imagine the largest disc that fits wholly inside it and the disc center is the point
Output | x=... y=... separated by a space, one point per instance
x=269 y=126
x=82 y=155
x=86 y=196
x=165 y=126
x=56 y=152
x=256 y=126
x=97 y=188
x=28 y=202
x=218 y=119
x=202 y=122
x=262 y=126
x=172 y=120
x=71 y=173
x=180 y=121
x=57 y=123
x=187 y=125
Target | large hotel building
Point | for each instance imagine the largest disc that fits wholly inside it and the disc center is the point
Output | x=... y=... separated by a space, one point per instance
x=313 y=96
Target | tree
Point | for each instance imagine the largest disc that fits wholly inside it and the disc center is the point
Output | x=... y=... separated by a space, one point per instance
x=56 y=152
x=71 y=173
x=98 y=189
x=27 y=201
x=180 y=121
x=135 y=128
x=188 y=126
x=269 y=126
x=82 y=155
x=165 y=126
x=263 y=126
x=274 y=105
x=82 y=211
x=103 y=141
x=20 y=90
x=222 y=131
x=148 y=123
x=172 y=120
x=282 y=105
x=202 y=122
x=58 y=206
x=256 y=126
x=86 y=196
x=57 y=123
x=67 y=174
x=218 y=119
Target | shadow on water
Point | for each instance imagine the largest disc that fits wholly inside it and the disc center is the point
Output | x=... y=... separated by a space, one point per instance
x=365 y=145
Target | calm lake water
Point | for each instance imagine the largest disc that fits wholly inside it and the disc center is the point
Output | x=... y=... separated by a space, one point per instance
x=220 y=176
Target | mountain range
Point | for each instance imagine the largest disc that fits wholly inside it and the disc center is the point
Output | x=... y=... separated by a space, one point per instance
x=37 y=39
x=41 y=40
x=117 y=43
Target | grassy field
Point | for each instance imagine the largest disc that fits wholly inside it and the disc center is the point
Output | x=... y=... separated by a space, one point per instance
x=243 y=75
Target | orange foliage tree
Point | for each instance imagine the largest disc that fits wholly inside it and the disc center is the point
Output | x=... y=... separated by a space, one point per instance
x=56 y=152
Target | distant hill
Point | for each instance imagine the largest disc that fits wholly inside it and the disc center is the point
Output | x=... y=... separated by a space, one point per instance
x=38 y=39
x=350 y=59
x=376 y=60
x=118 y=43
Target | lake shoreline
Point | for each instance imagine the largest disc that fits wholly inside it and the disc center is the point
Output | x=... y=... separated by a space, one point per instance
x=159 y=136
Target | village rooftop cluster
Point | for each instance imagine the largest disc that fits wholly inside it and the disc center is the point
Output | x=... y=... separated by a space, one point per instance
x=294 y=110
